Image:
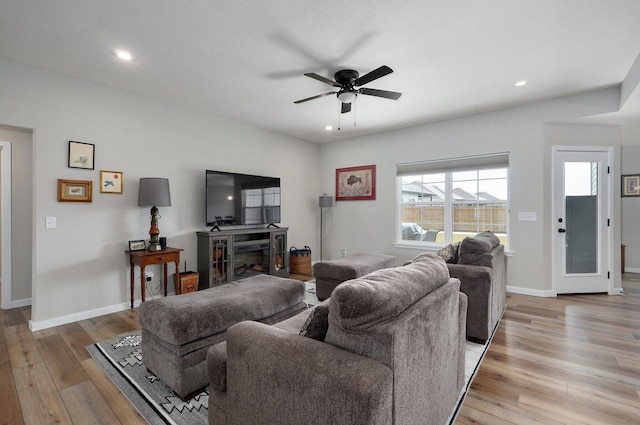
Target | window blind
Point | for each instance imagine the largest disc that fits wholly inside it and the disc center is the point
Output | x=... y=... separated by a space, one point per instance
x=494 y=160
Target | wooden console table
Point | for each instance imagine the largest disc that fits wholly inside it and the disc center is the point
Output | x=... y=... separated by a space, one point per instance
x=145 y=258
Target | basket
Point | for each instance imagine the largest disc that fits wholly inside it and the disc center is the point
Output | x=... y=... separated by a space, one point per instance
x=300 y=260
x=187 y=281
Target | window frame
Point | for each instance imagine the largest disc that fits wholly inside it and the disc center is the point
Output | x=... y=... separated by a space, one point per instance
x=448 y=167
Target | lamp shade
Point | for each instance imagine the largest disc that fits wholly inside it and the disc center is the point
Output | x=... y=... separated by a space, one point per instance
x=154 y=191
x=325 y=201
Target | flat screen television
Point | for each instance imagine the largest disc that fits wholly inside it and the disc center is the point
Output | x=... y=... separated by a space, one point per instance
x=234 y=199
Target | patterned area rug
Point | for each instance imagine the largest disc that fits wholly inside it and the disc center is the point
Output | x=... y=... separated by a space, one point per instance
x=474 y=353
x=121 y=359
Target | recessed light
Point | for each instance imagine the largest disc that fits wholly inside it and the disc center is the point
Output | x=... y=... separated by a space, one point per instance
x=328 y=128
x=123 y=55
x=520 y=83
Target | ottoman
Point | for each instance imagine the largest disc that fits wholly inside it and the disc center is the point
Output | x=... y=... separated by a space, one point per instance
x=177 y=331
x=332 y=273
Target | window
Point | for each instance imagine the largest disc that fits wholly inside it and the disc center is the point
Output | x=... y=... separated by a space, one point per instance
x=445 y=201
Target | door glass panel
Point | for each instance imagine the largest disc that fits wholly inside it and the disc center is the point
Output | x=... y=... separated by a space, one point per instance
x=581 y=217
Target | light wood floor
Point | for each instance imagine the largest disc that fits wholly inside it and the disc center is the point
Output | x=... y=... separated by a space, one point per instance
x=565 y=360
x=568 y=360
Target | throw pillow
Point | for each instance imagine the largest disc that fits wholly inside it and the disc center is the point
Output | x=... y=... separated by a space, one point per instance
x=449 y=254
x=317 y=323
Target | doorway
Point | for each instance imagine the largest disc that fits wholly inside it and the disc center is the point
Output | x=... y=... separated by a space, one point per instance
x=582 y=211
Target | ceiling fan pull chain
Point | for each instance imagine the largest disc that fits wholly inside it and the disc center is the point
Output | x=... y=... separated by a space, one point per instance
x=339 y=113
x=355 y=111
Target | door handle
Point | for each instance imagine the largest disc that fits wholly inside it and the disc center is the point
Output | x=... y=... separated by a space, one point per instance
x=562 y=230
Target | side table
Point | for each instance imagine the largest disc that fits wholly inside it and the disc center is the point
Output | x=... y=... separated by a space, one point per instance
x=145 y=258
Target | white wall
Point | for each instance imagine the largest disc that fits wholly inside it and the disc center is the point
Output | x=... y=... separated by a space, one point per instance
x=80 y=268
x=369 y=225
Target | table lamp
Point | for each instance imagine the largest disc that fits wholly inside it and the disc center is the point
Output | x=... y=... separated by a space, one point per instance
x=154 y=192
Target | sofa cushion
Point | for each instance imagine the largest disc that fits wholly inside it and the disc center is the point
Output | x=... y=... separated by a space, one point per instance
x=476 y=250
x=317 y=323
x=352 y=266
x=362 y=303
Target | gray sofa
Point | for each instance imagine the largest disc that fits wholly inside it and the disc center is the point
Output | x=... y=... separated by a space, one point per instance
x=480 y=265
x=393 y=354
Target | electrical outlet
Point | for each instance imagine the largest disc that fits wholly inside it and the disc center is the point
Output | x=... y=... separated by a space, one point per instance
x=148 y=276
x=344 y=251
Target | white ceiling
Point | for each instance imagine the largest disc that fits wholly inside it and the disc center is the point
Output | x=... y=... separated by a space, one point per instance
x=245 y=59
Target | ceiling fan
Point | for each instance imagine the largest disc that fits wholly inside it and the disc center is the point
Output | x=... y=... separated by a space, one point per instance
x=348 y=82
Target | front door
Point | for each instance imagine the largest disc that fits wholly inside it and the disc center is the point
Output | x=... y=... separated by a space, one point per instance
x=581 y=220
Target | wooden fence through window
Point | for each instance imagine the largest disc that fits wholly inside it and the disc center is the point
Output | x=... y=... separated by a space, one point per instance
x=466 y=218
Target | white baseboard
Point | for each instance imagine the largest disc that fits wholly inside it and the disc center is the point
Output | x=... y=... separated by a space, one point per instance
x=533 y=292
x=83 y=315
x=547 y=293
x=63 y=320
x=20 y=303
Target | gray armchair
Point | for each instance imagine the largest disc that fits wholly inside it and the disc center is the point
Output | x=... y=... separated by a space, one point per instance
x=393 y=354
x=481 y=268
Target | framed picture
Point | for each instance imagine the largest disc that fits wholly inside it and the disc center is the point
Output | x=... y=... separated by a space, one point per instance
x=137 y=245
x=631 y=185
x=74 y=190
x=356 y=183
x=81 y=155
x=111 y=181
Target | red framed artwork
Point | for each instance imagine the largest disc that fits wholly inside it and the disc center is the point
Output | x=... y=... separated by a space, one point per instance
x=356 y=183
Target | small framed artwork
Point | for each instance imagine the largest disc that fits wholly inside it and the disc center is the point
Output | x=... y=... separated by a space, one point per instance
x=111 y=181
x=74 y=190
x=137 y=245
x=81 y=155
x=356 y=183
x=631 y=185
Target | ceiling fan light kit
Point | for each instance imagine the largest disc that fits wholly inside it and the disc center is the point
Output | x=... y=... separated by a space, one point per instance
x=349 y=81
x=347 y=96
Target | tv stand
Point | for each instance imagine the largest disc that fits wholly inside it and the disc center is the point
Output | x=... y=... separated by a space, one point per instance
x=228 y=255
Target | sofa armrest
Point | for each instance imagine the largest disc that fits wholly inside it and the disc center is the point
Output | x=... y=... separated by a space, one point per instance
x=274 y=376
x=475 y=282
x=473 y=279
x=216 y=366
x=462 y=327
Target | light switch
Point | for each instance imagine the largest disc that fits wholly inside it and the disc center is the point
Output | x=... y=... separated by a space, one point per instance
x=527 y=216
x=49 y=222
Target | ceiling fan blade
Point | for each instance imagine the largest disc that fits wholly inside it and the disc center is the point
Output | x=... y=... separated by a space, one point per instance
x=315 y=97
x=323 y=79
x=381 y=93
x=373 y=75
x=346 y=107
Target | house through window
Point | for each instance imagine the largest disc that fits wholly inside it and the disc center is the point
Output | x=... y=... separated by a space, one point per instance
x=442 y=202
